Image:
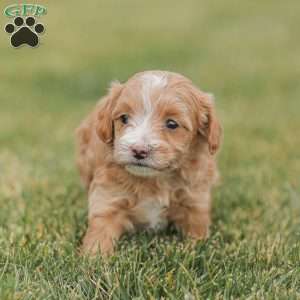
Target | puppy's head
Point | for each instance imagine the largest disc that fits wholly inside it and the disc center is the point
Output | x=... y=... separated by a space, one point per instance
x=153 y=121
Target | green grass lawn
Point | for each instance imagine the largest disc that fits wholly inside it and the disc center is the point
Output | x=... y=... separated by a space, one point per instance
x=247 y=54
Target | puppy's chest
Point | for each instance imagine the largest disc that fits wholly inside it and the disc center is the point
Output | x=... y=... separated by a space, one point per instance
x=152 y=213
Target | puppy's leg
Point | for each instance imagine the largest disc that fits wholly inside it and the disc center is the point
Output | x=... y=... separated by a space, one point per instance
x=102 y=233
x=108 y=220
x=192 y=217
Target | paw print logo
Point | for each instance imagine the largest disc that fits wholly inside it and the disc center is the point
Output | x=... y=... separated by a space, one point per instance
x=24 y=32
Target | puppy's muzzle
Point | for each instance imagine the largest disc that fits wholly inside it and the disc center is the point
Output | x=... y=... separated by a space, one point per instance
x=140 y=152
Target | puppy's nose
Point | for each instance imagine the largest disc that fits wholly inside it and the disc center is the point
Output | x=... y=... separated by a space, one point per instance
x=140 y=152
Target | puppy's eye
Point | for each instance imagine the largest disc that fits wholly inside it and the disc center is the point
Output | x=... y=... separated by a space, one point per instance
x=124 y=119
x=171 y=124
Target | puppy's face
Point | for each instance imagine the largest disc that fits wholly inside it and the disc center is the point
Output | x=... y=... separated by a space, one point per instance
x=155 y=118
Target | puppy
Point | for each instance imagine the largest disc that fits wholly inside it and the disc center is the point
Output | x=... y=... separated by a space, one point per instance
x=146 y=155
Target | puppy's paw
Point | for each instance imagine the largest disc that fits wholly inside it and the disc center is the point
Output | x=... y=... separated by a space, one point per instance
x=198 y=232
x=94 y=244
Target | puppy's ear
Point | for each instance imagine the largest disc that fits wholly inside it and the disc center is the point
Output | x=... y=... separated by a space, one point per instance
x=105 y=123
x=209 y=125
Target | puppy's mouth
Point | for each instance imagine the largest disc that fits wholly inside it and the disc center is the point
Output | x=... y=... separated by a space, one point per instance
x=142 y=170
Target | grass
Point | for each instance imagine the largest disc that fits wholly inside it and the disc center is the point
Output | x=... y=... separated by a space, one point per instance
x=247 y=54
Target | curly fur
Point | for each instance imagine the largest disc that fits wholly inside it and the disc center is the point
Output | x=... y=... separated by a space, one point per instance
x=174 y=184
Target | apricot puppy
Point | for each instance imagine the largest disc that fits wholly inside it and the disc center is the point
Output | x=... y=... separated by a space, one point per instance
x=146 y=154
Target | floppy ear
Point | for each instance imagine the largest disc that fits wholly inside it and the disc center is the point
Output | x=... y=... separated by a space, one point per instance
x=209 y=125
x=105 y=123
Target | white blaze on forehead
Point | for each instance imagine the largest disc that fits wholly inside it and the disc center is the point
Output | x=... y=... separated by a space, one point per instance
x=151 y=81
x=141 y=132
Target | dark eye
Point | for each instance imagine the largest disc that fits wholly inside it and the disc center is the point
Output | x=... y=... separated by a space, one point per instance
x=124 y=119
x=171 y=124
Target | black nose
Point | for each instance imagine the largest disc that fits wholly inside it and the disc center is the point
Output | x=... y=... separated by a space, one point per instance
x=140 y=153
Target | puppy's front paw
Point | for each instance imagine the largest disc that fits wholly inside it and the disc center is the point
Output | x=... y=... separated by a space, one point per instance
x=95 y=243
x=192 y=222
x=198 y=231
